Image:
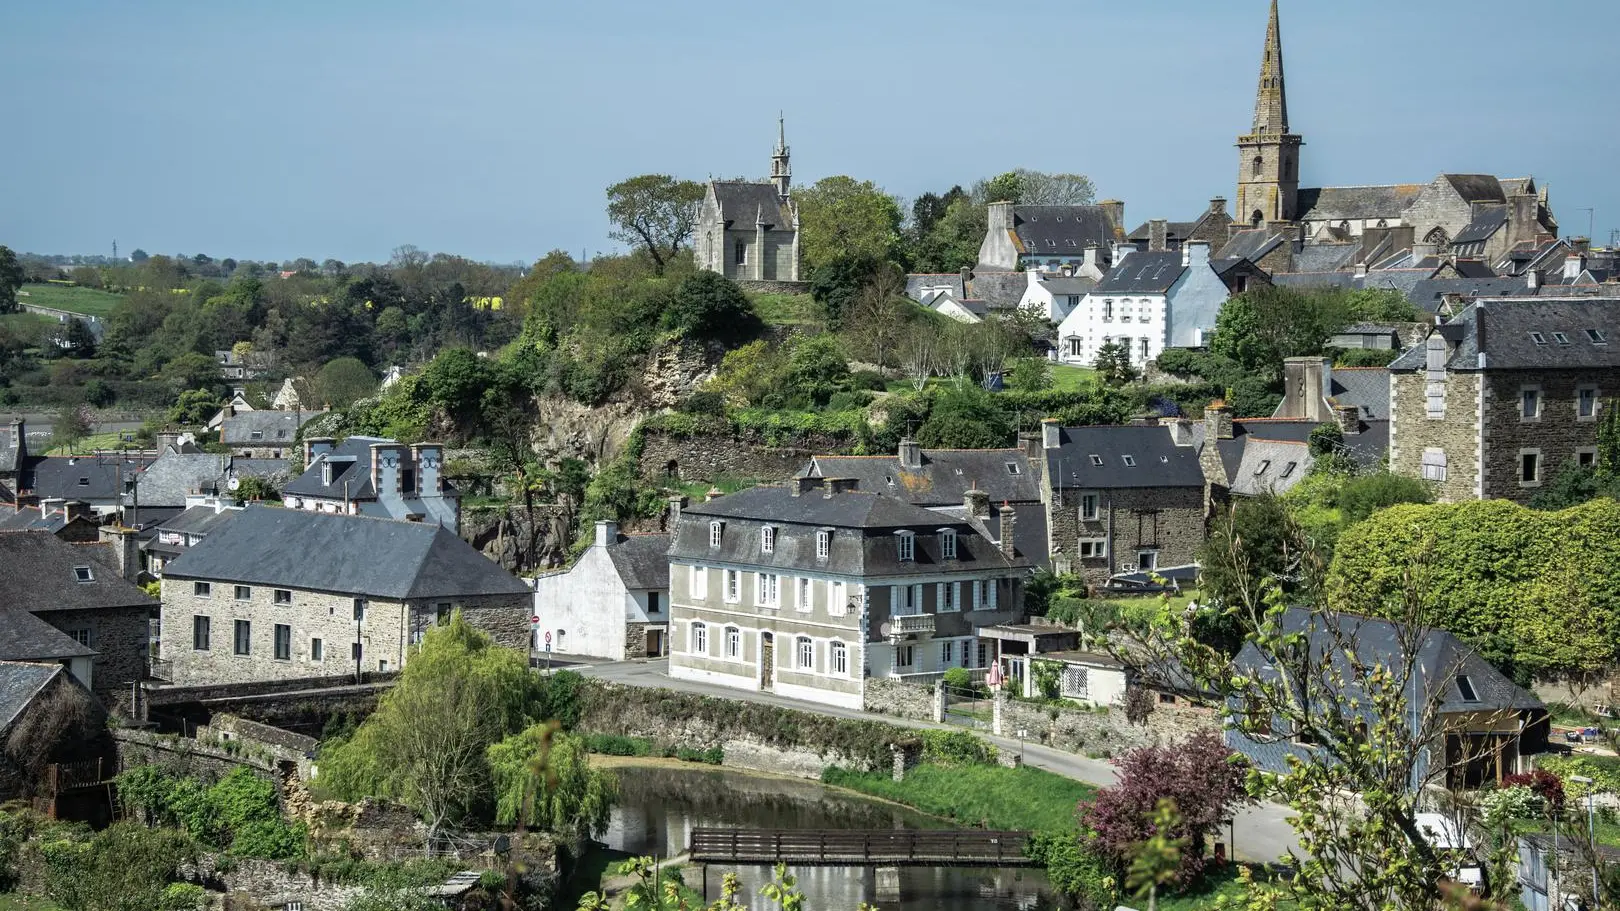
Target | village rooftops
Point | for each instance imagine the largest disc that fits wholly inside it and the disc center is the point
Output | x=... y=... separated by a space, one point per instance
x=1527 y=334
x=642 y=561
x=936 y=477
x=41 y=572
x=1113 y=457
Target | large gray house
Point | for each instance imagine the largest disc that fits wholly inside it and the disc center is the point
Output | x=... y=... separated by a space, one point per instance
x=372 y=476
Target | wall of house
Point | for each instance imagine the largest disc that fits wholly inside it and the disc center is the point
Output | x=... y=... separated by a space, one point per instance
x=583 y=608
x=1194 y=302
x=1456 y=434
x=1135 y=317
x=120 y=635
x=384 y=633
x=1557 y=435
x=1167 y=519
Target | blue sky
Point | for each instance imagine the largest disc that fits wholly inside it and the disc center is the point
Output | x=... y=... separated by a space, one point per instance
x=490 y=129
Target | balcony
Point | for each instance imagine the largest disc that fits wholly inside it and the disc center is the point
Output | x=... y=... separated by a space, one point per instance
x=902 y=627
x=159 y=669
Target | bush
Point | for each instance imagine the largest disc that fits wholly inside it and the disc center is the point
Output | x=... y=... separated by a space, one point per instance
x=704 y=402
x=956 y=748
x=869 y=380
x=958 y=678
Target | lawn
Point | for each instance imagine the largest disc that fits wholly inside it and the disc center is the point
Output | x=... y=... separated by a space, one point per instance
x=787 y=309
x=28 y=325
x=1024 y=798
x=94 y=442
x=1072 y=379
x=695 y=491
x=12 y=902
x=72 y=298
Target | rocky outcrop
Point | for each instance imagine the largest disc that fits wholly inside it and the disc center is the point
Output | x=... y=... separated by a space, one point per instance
x=518 y=538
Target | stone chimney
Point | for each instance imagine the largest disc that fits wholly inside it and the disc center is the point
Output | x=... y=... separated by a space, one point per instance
x=676 y=504
x=1217 y=421
x=1158 y=235
x=1090 y=261
x=166 y=439
x=910 y=454
x=1122 y=250
x=1009 y=520
x=1522 y=223
x=1574 y=265
x=429 y=458
x=607 y=533
x=75 y=509
x=1582 y=245
x=802 y=486
x=1051 y=434
x=125 y=547
x=1114 y=210
x=1307 y=384
x=17 y=438
x=315 y=447
x=387 y=463
x=1217 y=206
x=1195 y=253
x=1361 y=269
x=1535 y=278
x=977 y=503
x=1180 y=430
x=1348 y=417
x=836 y=486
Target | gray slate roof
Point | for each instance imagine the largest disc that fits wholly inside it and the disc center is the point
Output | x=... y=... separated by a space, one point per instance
x=1365 y=387
x=952 y=281
x=1158 y=461
x=92 y=478
x=1352 y=203
x=275 y=427
x=946 y=475
x=1061 y=285
x=1477 y=187
x=1326 y=257
x=1270 y=466
x=350 y=555
x=1509 y=343
x=1063 y=230
x=743 y=203
x=998 y=290
x=174 y=476
x=642 y=561
x=25 y=637
x=1252 y=244
x=37 y=572
x=1488 y=219
x=1142 y=273
x=351 y=461
x=19 y=684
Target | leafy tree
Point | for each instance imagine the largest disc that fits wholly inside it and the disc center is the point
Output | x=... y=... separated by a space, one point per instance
x=344 y=381
x=138 y=256
x=1362 y=496
x=966 y=417
x=544 y=778
x=1251 y=544
x=1260 y=327
x=747 y=374
x=710 y=307
x=455 y=381
x=842 y=217
x=656 y=213
x=97 y=394
x=816 y=369
x=1571 y=486
x=953 y=242
x=836 y=286
x=11 y=278
x=69 y=425
x=1381 y=305
x=192 y=370
x=1036 y=188
x=194 y=407
x=1113 y=364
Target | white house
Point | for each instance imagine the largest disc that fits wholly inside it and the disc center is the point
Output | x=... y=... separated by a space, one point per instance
x=1149 y=301
x=612 y=603
x=1055 y=296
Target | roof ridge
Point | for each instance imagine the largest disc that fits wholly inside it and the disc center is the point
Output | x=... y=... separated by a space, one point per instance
x=1255 y=439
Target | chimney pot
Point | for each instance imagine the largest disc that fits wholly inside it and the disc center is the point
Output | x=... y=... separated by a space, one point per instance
x=1009 y=520
x=676 y=504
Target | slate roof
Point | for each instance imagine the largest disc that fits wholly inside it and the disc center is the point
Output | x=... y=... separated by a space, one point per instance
x=1063 y=230
x=174 y=476
x=642 y=561
x=1365 y=387
x=29 y=519
x=1367 y=447
x=19 y=684
x=25 y=637
x=1314 y=280
x=945 y=475
x=1252 y=244
x=274 y=427
x=1473 y=268
x=93 y=478
x=1326 y=257
x=37 y=572
x=952 y=281
x=1142 y=273
x=1174 y=231
x=1488 y=219
x=350 y=555
x=1509 y=343
x=1477 y=187
x=1270 y=466
x=1063 y=285
x=1352 y=203
x=1430 y=293
x=351 y=463
x=999 y=290
x=1130 y=456
x=742 y=203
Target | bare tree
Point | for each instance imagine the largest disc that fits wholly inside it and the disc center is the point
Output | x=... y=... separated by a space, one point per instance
x=919 y=353
x=878 y=323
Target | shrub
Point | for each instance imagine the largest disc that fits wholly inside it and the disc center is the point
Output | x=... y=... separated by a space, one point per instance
x=956 y=748
x=958 y=678
x=869 y=380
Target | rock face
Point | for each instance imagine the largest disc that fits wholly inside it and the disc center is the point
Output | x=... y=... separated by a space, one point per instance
x=517 y=538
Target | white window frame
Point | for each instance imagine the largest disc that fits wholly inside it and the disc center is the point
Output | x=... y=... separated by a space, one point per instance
x=317 y=650
x=1090 y=507
x=1593 y=400
x=698 y=638
x=1434 y=464
x=823 y=544
x=1586 y=457
x=1541 y=468
x=906 y=542
x=804 y=595
x=947 y=543
x=1092 y=548
x=767 y=539
x=991 y=587
x=1529 y=394
x=976 y=595
x=716 y=532
x=950 y=597
x=734 y=643
x=947 y=652
x=733 y=586
x=804 y=653
x=767 y=590
x=838 y=658
x=909 y=654
x=837 y=599
x=698 y=582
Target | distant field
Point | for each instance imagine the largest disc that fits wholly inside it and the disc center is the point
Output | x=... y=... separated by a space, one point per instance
x=787 y=309
x=26 y=324
x=88 y=301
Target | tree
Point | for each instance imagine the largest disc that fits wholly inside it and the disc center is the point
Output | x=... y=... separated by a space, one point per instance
x=842 y=217
x=966 y=417
x=69 y=425
x=1252 y=544
x=138 y=256
x=1257 y=329
x=1360 y=497
x=344 y=381
x=544 y=778
x=816 y=369
x=126 y=867
x=707 y=306
x=655 y=212
x=1113 y=364
x=194 y=407
x=1032 y=374
x=11 y=278
x=837 y=285
x=1040 y=189
x=191 y=370
x=1156 y=860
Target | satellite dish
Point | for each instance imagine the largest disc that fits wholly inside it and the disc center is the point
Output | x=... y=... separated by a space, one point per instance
x=234 y=483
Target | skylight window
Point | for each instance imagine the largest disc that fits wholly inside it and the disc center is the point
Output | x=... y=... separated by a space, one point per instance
x=1289 y=468
x=1264 y=465
x=1012 y=468
x=1130 y=461
x=1466 y=688
x=1595 y=336
x=1560 y=338
x=1096 y=460
x=1538 y=338
x=83 y=574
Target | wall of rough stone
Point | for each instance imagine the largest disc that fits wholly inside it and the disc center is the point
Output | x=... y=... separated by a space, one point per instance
x=120 y=636
x=891 y=696
x=705 y=458
x=1411 y=431
x=1557 y=434
x=774 y=287
x=209 y=761
x=1099 y=733
x=1168 y=519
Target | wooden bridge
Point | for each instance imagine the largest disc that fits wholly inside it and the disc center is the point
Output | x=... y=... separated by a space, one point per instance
x=856 y=848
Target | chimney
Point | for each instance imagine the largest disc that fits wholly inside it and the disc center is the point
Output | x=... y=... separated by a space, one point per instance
x=676 y=504
x=1348 y=417
x=429 y=458
x=1158 y=235
x=976 y=502
x=1000 y=218
x=1122 y=250
x=1051 y=434
x=17 y=438
x=1574 y=265
x=910 y=454
x=75 y=509
x=1307 y=385
x=1217 y=421
x=166 y=439
x=315 y=447
x=1194 y=253
x=387 y=460
x=46 y=505
x=1522 y=221
x=1009 y=519
x=1114 y=210
x=1091 y=258
x=1361 y=269
x=802 y=486
x=840 y=485
x=1535 y=278
x=1422 y=250
x=125 y=549
x=607 y=533
x=965 y=275
x=1582 y=245
x=1180 y=430
x=1217 y=206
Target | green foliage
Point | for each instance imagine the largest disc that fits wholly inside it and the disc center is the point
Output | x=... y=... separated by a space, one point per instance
x=1603 y=770
x=956 y=748
x=11 y=278
x=126 y=867
x=1113 y=364
x=655 y=212
x=1024 y=798
x=1326 y=440
x=1048 y=678
x=707 y=306
x=1075 y=869
x=965 y=416
x=1363 y=357
x=836 y=286
x=194 y=407
x=1527 y=588
x=1364 y=495
x=343 y=381
x=239 y=812
x=1031 y=374
x=840 y=217
x=543 y=778
x=958 y=678
x=401 y=413
x=1574 y=485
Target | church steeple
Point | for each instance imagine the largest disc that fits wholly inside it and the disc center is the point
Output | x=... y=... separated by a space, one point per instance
x=781 y=171
x=1268 y=155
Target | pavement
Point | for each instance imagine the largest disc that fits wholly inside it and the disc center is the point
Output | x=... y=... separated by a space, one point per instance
x=1259 y=833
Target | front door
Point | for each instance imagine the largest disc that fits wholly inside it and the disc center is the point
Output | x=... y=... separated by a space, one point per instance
x=767 y=660
x=655 y=643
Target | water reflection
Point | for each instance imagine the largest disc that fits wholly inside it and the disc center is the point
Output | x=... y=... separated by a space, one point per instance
x=660 y=806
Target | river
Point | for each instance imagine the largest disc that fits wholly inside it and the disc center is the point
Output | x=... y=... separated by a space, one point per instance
x=660 y=804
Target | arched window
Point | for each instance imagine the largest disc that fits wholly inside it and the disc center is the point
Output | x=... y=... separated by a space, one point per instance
x=1439 y=239
x=562 y=640
x=1258 y=165
x=733 y=642
x=1257 y=219
x=700 y=639
x=1382 y=223
x=1344 y=226
x=805 y=651
x=839 y=663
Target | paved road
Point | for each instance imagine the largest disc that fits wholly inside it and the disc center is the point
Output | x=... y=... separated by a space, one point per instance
x=1262 y=833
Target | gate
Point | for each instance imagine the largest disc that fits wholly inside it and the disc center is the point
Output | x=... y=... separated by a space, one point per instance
x=968 y=706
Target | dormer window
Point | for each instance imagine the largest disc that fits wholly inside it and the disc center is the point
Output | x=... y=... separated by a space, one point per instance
x=84 y=482
x=823 y=543
x=947 y=543
x=714 y=533
x=908 y=546
x=767 y=540
x=83 y=574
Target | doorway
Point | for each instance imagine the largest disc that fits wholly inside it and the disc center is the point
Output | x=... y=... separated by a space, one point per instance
x=655 y=643
x=767 y=661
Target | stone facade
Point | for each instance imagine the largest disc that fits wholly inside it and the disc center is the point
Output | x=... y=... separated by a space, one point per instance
x=889 y=696
x=1106 y=733
x=750 y=231
x=709 y=457
x=1557 y=435
x=1166 y=520
x=121 y=637
x=321 y=630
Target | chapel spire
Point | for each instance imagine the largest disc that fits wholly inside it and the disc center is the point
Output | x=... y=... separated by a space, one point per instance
x=781 y=171
x=1271 y=97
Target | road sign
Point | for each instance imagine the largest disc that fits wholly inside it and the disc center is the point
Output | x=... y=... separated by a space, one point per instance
x=548 y=638
x=535 y=619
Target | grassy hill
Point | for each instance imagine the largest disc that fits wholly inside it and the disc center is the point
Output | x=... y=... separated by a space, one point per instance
x=72 y=298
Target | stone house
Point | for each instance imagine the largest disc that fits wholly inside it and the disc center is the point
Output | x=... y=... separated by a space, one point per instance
x=46 y=716
x=70 y=588
x=97 y=479
x=749 y=231
x=163 y=488
x=808 y=590
x=613 y=602
x=24 y=637
x=263 y=434
x=1148 y=301
x=1212 y=226
x=274 y=594
x=372 y=476
x=1496 y=401
x=1122 y=499
x=70 y=520
x=1052 y=239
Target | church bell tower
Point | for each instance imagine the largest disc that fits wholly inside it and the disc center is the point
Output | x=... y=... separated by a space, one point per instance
x=781 y=172
x=1268 y=155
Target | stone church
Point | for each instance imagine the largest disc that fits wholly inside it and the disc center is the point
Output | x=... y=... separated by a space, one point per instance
x=749 y=232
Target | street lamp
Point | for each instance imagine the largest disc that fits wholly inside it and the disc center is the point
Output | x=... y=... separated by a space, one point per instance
x=1591 y=829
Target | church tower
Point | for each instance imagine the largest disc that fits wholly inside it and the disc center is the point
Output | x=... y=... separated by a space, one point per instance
x=1268 y=156
x=781 y=172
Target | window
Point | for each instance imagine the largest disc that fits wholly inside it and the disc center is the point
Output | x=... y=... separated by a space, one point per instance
x=255 y=434
x=1093 y=548
x=1075 y=349
x=1075 y=683
x=1147 y=560
x=1434 y=464
x=382 y=665
x=903 y=655
x=837 y=600
x=84 y=482
x=740 y=253
x=714 y=533
x=441 y=614
x=1530 y=403
x=653 y=603
x=976 y=592
x=733 y=642
x=1466 y=688
x=1289 y=469
x=317 y=650
x=283 y=596
x=767 y=540
x=1538 y=338
x=1130 y=461
x=81 y=636
x=1585 y=403
x=1560 y=338
x=1090 y=506
x=244 y=593
x=359 y=610
x=1167 y=699
x=990 y=587
x=83 y=574
x=1096 y=460
x=950 y=597
x=839 y=663
x=699 y=583
x=1108 y=311
x=1529 y=466
x=908 y=546
x=202 y=589
x=733 y=586
x=1144 y=346
x=806 y=651
x=803 y=600
x=1586 y=458
x=244 y=637
x=1262 y=467
x=1596 y=337
x=356 y=651
x=700 y=639
x=1257 y=166
x=199 y=633
x=766 y=591
x=947 y=543
x=1012 y=469
x=283 y=642
x=823 y=544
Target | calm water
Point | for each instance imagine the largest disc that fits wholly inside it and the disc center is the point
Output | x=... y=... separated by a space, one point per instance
x=659 y=806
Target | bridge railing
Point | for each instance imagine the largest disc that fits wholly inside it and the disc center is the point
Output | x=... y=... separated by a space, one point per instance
x=931 y=847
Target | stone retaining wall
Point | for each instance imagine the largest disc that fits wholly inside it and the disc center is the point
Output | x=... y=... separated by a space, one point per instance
x=707 y=458
x=187 y=756
x=772 y=287
x=888 y=696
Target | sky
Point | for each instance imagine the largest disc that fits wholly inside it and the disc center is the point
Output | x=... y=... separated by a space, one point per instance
x=491 y=129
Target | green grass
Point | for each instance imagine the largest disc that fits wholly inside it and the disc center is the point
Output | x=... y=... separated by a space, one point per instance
x=92 y=443
x=1023 y=798
x=1223 y=884
x=1571 y=716
x=88 y=301
x=25 y=324
x=694 y=491
x=12 y=902
x=1072 y=379
x=787 y=309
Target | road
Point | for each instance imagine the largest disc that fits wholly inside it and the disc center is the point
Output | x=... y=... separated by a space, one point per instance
x=1260 y=833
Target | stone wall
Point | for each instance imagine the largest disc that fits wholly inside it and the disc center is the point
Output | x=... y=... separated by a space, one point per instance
x=120 y=636
x=773 y=287
x=271 y=883
x=1411 y=431
x=1105 y=733
x=891 y=696
x=209 y=761
x=1556 y=435
x=1167 y=519
x=706 y=458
